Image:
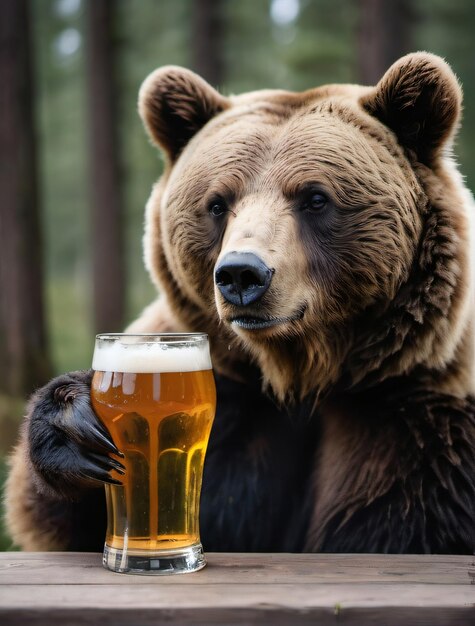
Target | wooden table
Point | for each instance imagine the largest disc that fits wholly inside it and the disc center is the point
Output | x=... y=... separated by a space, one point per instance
x=73 y=588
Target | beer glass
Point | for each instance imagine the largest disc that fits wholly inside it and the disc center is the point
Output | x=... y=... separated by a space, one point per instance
x=156 y=396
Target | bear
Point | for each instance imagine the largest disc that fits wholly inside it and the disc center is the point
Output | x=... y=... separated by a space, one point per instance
x=323 y=240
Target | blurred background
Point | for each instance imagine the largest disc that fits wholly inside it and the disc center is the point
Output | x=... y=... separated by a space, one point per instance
x=76 y=168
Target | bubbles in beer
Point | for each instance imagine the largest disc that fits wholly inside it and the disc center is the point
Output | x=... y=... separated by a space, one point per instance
x=158 y=406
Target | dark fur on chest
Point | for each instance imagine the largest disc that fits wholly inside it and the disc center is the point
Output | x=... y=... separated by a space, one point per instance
x=392 y=470
x=396 y=473
x=257 y=473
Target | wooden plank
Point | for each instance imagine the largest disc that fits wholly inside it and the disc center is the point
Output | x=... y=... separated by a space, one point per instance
x=80 y=568
x=304 y=596
x=267 y=616
x=73 y=588
x=212 y=604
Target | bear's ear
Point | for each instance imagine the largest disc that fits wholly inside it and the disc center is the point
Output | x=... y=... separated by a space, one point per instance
x=174 y=104
x=419 y=99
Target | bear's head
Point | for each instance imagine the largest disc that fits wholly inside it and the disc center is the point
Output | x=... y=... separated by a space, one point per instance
x=320 y=235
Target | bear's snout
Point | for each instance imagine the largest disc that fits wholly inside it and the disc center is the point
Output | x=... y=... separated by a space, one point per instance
x=242 y=278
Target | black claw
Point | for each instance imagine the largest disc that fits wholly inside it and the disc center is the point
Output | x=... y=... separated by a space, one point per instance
x=99 y=476
x=103 y=439
x=99 y=426
x=113 y=481
x=105 y=462
x=117 y=466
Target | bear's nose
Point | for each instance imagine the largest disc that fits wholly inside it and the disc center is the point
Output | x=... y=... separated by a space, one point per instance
x=242 y=278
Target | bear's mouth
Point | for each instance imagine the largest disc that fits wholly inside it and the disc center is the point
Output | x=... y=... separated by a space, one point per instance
x=252 y=322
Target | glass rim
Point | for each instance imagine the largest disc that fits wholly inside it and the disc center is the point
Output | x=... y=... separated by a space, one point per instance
x=152 y=337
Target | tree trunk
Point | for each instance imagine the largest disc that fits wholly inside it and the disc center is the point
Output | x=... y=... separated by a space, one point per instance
x=24 y=360
x=384 y=34
x=207 y=39
x=106 y=205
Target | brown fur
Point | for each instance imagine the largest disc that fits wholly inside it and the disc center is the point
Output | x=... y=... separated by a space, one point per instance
x=25 y=517
x=409 y=454
x=393 y=295
x=375 y=292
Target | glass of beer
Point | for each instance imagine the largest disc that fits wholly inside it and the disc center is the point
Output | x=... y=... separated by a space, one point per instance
x=156 y=396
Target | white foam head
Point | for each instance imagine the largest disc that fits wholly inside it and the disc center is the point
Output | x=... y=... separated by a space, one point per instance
x=143 y=357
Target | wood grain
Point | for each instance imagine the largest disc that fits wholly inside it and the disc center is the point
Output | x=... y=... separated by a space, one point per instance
x=73 y=588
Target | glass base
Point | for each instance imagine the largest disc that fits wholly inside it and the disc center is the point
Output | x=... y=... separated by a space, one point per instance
x=162 y=562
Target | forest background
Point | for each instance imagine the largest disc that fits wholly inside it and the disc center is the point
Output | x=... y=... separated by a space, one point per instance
x=76 y=167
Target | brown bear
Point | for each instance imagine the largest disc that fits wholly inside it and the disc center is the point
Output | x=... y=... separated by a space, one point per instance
x=322 y=239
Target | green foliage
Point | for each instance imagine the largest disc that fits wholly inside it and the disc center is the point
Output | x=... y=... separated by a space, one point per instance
x=11 y=413
x=447 y=29
x=70 y=333
x=5 y=541
x=61 y=119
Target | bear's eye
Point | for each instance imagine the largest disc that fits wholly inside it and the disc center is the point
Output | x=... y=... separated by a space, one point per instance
x=217 y=208
x=316 y=202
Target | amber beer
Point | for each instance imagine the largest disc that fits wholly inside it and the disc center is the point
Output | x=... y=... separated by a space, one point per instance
x=156 y=396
